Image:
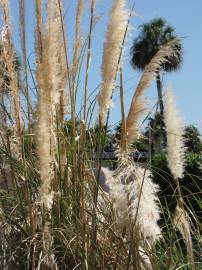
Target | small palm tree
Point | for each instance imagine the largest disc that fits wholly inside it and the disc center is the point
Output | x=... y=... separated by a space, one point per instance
x=152 y=36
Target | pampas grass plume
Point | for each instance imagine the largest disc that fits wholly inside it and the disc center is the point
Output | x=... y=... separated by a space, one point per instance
x=134 y=196
x=143 y=201
x=112 y=49
x=137 y=107
x=182 y=223
x=175 y=142
x=55 y=52
x=11 y=70
x=51 y=76
x=78 y=41
x=118 y=195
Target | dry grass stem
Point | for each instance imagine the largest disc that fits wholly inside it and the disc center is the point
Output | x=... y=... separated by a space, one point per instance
x=78 y=39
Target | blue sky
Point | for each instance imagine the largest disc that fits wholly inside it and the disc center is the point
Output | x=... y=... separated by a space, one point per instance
x=183 y=15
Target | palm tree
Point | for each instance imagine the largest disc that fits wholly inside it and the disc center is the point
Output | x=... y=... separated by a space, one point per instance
x=152 y=36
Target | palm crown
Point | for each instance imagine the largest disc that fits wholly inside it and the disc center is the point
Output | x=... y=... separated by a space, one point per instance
x=153 y=35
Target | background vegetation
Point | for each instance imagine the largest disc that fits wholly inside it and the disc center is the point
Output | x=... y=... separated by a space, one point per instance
x=60 y=207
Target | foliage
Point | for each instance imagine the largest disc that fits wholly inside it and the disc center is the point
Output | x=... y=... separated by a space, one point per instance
x=192 y=139
x=152 y=36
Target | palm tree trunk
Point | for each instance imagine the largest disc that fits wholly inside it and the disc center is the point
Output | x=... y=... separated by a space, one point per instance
x=159 y=90
x=160 y=102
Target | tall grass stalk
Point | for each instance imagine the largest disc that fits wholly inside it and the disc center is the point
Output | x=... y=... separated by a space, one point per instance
x=123 y=133
x=72 y=102
x=9 y=56
x=105 y=95
x=182 y=223
x=78 y=40
x=88 y=59
x=176 y=161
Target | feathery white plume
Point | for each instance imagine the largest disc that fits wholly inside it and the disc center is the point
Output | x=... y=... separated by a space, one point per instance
x=182 y=223
x=137 y=107
x=51 y=75
x=175 y=142
x=118 y=195
x=6 y=11
x=112 y=50
x=142 y=195
x=78 y=39
x=55 y=52
x=134 y=197
x=145 y=262
x=8 y=55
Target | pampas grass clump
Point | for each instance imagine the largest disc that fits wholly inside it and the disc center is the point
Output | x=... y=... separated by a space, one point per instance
x=56 y=212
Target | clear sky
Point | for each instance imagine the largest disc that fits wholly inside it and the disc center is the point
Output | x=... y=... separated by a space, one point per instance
x=183 y=15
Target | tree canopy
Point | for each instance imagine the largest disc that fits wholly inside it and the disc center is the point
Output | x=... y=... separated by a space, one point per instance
x=152 y=36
